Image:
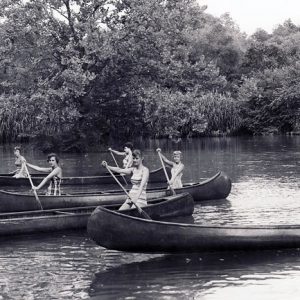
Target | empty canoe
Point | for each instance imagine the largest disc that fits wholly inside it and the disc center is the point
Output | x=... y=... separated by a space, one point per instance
x=117 y=231
x=77 y=217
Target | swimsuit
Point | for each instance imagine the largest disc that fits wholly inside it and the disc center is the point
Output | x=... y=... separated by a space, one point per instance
x=126 y=160
x=136 y=180
x=54 y=187
x=19 y=161
x=177 y=181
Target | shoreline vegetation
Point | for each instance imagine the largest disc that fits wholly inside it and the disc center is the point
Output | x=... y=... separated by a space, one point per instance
x=75 y=74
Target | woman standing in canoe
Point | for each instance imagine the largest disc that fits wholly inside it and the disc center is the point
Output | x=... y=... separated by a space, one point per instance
x=139 y=180
x=176 y=168
x=127 y=161
x=20 y=172
x=55 y=175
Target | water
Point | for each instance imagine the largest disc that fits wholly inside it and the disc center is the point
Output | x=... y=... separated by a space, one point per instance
x=67 y=265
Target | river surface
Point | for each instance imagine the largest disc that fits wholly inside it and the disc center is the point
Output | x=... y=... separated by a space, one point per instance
x=265 y=172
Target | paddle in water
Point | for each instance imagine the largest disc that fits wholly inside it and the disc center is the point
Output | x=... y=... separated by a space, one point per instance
x=142 y=212
x=164 y=167
x=32 y=186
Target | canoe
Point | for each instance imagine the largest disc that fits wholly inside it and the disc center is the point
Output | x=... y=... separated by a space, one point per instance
x=117 y=231
x=155 y=176
x=77 y=217
x=216 y=188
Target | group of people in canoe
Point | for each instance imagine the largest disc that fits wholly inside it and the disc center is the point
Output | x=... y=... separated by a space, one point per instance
x=132 y=165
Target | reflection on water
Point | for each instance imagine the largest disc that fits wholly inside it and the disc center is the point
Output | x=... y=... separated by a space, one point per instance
x=69 y=266
x=54 y=266
x=265 y=175
x=199 y=276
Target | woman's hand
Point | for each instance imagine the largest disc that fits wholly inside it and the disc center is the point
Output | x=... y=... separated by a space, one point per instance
x=109 y=149
x=158 y=150
x=104 y=164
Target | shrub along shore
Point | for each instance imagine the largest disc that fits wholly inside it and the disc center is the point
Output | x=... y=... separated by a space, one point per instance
x=78 y=73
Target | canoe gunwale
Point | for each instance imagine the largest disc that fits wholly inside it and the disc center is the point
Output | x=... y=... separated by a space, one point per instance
x=254 y=227
x=215 y=188
x=116 y=231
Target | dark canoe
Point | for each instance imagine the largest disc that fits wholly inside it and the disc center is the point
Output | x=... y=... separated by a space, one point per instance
x=216 y=188
x=155 y=176
x=117 y=231
x=75 y=218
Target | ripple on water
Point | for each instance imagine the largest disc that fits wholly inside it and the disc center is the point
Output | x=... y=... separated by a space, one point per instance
x=265 y=191
x=255 y=202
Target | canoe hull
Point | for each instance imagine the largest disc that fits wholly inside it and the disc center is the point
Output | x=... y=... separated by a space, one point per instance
x=45 y=221
x=155 y=176
x=109 y=230
x=217 y=187
x=214 y=188
x=76 y=218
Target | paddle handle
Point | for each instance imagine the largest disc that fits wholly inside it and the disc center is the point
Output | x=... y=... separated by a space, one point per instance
x=114 y=158
x=165 y=171
x=138 y=207
x=34 y=191
x=118 y=167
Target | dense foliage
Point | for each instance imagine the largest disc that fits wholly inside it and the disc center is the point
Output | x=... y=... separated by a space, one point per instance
x=84 y=71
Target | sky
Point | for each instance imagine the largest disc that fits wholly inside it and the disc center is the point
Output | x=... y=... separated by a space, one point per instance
x=252 y=14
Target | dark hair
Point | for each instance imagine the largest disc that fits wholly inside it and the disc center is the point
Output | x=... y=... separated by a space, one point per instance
x=128 y=145
x=53 y=155
x=17 y=148
x=137 y=152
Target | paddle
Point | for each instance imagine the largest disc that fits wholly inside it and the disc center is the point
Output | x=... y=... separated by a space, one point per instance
x=142 y=212
x=118 y=167
x=164 y=167
x=32 y=186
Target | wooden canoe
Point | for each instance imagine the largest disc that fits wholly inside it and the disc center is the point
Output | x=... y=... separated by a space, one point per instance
x=77 y=217
x=117 y=231
x=218 y=187
x=155 y=176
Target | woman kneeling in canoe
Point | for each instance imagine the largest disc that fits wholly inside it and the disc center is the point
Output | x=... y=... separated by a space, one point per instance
x=139 y=180
x=127 y=161
x=176 y=168
x=20 y=172
x=55 y=175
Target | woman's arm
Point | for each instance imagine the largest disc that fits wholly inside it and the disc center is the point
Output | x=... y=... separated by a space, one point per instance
x=46 y=179
x=116 y=152
x=168 y=162
x=143 y=183
x=37 y=168
x=117 y=169
x=22 y=160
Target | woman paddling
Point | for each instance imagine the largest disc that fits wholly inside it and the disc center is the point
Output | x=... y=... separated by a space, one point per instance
x=127 y=161
x=139 y=180
x=176 y=168
x=55 y=175
x=20 y=172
